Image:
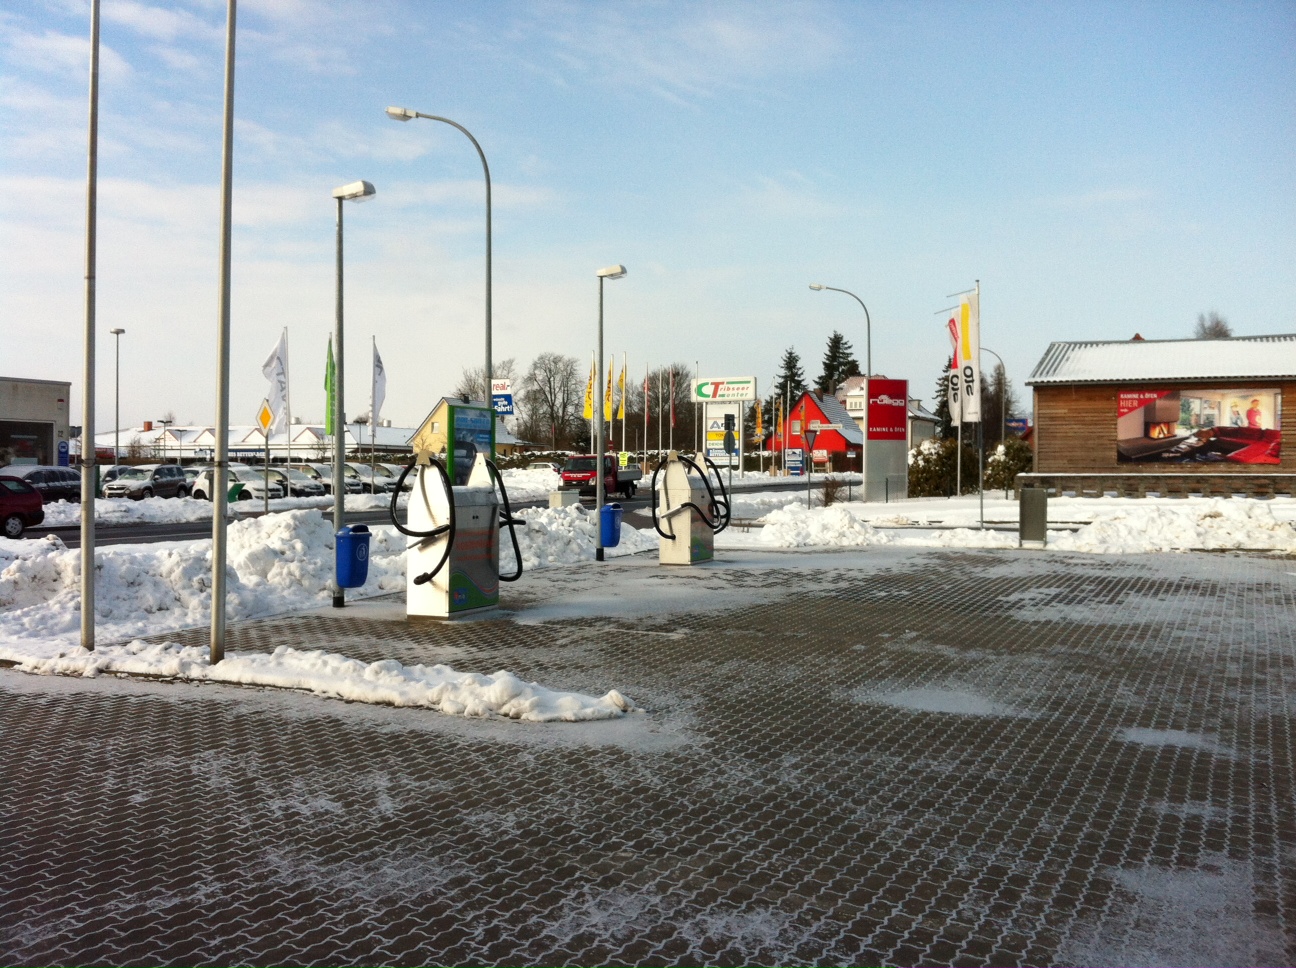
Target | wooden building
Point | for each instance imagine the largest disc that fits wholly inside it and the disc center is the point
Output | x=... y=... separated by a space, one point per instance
x=1171 y=417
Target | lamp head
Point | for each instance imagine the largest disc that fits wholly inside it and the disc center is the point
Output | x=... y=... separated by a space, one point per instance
x=817 y=286
x=353 y=191
x=611 y=272
x=401 y=114
x=117 y=332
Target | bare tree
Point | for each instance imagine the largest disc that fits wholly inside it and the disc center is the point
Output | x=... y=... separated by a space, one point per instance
x=472 y=386
x=552 y=397
x=1212 y=326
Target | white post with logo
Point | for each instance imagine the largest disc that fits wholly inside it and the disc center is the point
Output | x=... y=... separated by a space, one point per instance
x=725 y=402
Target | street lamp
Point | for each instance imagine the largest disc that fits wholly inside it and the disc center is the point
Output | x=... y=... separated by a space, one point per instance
x=355 y=191
x=117 y=405
x=407 y=114
x=868 y=374
x=162 y=437
x=868 y=325
x=611 y=272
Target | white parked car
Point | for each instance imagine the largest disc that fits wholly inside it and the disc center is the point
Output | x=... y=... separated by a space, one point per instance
x=245 y=484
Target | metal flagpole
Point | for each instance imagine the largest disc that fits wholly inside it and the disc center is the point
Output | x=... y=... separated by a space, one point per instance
x=89 y=458
x=373 y=429
x=220 y=478
x=288 y=411
x=981 y=422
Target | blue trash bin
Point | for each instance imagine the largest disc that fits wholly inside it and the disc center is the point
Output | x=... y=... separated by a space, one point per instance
x=610 y=525
x=352 y=555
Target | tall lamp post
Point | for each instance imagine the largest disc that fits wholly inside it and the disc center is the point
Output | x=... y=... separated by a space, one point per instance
x=868 y=374
x=611 y=272
x=355 y=191
x=407 y=114
x=117 y=402
x=162 y=437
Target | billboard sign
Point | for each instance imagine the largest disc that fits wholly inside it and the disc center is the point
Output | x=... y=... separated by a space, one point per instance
x=502 y=397
x=735 y=388
x=888 y=409
x=1236 y=425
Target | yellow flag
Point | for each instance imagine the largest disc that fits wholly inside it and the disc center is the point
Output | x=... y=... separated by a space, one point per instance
x=589 y=393
x=621 y=390
x=607 y=397
x=760 y=429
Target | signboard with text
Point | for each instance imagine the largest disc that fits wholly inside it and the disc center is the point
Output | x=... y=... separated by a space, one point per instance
x=502 y=396
x=735 y=388
x=888 y=409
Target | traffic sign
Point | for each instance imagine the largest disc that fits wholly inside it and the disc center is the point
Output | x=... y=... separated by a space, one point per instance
x=265 y=417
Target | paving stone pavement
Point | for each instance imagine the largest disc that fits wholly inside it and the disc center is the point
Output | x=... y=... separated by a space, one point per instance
x=899 y=757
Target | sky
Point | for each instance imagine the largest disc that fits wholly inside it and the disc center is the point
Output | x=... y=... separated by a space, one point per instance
x=1100 y=168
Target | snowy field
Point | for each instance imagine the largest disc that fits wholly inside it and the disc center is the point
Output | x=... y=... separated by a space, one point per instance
x=283 y=562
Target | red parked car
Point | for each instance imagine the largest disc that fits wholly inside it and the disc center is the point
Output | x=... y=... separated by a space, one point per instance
x=21 y=506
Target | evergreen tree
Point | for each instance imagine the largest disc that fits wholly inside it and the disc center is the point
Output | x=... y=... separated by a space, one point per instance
x=838 y=363
x=945 y=430
x=790 y=382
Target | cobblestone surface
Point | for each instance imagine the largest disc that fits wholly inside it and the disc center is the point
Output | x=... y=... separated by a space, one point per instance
x=903 y=758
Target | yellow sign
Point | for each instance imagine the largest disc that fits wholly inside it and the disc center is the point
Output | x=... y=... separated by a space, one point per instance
x=265 y=417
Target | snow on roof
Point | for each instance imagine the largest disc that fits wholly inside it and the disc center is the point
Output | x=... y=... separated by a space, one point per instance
x=836 y=413
x=918 y=412
x=1240 y=358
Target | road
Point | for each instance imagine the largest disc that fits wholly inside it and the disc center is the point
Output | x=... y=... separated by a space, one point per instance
x=148 y=533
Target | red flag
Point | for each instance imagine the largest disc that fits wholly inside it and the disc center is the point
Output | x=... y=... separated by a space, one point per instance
x=672 y=397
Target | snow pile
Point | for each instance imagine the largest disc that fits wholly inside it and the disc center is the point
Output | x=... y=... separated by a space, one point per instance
x=565 y=536
x=276 y=563
x=796 y=526
x=524 y=484
x=336 y=676
x=175 y=510
x=1214 y=524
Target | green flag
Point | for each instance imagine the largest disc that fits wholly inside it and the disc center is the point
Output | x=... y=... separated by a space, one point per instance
x=330 y=390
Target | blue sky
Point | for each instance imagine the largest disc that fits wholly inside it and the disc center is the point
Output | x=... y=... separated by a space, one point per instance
x=1102 y=168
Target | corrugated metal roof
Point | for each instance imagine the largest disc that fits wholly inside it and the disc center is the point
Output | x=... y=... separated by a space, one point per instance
x=1240 y=358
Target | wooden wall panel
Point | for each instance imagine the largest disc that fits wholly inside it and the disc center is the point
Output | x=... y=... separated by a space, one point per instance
x=1075 y=432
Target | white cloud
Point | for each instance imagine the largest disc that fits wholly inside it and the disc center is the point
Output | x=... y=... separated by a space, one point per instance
x=682 y=53
x=62 y=54
x=168 y=24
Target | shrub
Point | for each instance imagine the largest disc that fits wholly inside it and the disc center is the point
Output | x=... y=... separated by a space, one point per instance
x=933 y=473
x=1010 y=458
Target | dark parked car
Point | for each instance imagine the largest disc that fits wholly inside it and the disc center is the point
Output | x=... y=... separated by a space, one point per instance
x=21 y=506
x=296 y=483
x=53 y=483
x=323 y=473
x=149 y=480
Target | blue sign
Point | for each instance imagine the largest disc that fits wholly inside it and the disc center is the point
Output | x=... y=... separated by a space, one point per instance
x=794 y=462
x=1018 y=425
x=503 y=403
x=62 y=453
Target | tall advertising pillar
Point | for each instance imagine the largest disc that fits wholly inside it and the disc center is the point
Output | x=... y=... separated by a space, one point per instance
x=885 y=438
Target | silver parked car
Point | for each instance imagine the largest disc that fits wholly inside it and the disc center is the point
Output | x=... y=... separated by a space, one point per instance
x=149 y=480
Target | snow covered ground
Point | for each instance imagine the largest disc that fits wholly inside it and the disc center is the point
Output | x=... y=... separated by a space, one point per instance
x=283 y=562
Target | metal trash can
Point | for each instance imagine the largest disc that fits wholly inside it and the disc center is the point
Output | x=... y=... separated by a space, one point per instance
x=1032 y=520
x=352 y=554
x=610 y=525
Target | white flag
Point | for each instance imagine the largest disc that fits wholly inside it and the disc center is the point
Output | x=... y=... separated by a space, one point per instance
x=276 y=371
x=379 y=386
x=954 y=397
x=970 y=356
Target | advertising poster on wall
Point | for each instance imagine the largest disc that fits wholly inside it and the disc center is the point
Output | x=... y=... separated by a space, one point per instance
x=1199 y=426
